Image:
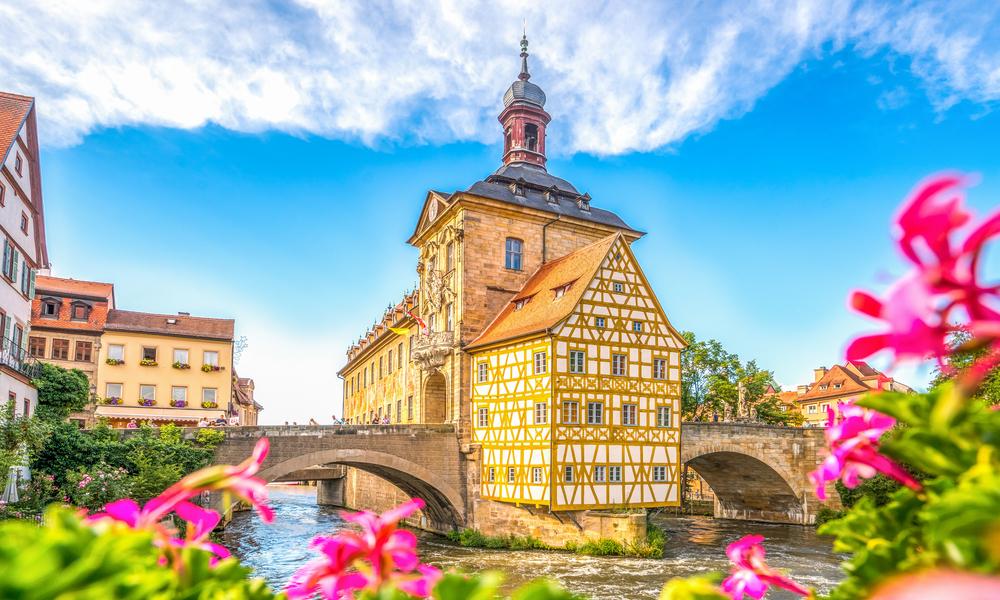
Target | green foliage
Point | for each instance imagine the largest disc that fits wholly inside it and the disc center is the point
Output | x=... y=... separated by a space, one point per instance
x=66 y=559
x=60 y=392
x=702 y=587
x=825 y=514
x=96 y=486
x=20 y=439
x=472 y=538
x=961 y=358
x=210 y=438
x=649 y=547
x=954 y=443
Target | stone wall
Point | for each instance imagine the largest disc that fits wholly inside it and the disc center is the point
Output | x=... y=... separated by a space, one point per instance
x=558 y=528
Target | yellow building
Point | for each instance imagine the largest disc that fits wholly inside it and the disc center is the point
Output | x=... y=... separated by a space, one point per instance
x=840 y=384
x=576 y=391
x=164 y=368
x=491 y=256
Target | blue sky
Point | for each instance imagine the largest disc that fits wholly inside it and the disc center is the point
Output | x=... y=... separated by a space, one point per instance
x=765 y=164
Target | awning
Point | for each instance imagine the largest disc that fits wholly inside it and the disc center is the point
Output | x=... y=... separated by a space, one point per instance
x=153 y=413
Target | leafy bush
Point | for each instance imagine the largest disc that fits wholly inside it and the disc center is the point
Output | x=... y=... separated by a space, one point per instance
x=472 y=538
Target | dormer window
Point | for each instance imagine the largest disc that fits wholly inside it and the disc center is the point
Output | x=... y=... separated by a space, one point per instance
x=50 y=308
x=521 y=302
x=531 y=137
x=560 y=291
x=552 y=195
x=79 y=311
x=837 y=386
x=583 y=202
x=823 y=387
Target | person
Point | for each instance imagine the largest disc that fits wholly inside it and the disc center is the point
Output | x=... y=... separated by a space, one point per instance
x=203 y=422
x=385 y=420
x=337 y=421
x=132 y=425
x=313 y=421
x=221 y=421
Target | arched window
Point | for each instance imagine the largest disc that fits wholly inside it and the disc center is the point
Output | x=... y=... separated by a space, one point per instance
x=512 y=255
x=506 y=142
x=531 y=137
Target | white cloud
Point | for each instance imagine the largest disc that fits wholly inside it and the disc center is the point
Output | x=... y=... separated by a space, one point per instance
x=619 y=76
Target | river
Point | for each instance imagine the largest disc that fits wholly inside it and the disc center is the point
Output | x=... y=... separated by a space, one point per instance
x=694 y=544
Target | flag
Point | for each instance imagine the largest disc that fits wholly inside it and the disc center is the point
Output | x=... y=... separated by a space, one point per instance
x=420 y=322
x=400 y=330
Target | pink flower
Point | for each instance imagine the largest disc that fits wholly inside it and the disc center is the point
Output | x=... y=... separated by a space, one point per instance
x=853 y=455
x=921 y=309
x=940 y=583
x=236 y=480
x=751 y=576
x=378 y=554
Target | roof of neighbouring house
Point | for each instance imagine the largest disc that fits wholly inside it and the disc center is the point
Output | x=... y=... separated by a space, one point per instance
x=542 y=310
x=74 y=287
x=179 y=325
x=850 y=381
x=14 y=109
x=99 y=296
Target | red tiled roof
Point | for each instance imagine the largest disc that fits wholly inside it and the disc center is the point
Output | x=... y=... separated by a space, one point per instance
x=542 y=309
x=14 y=110
x=74 y=287
x=180 y=325
x=850 y=383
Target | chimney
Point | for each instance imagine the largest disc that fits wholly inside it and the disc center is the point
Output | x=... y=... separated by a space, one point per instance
x=802 y=389
x=818 y=373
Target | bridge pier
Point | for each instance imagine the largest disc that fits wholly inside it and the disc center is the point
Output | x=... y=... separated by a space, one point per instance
x=330 y=492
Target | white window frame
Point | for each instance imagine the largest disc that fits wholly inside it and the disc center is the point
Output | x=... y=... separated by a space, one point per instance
x=483 y=417
x=567 y=406
x=568 y=474
x=541 y=413
x=119 y=355
x=182 y=352
x=144 y=387
x=215 y=394
x=541 y=363
x=630 y=414
x=511 y=474
x=595 y=417
x=659 y=368
x=619 y=365
x=483 y=372
x=660 y=420
x=491 y=474
x=618 y=287
x=207 y=360
x=659 y=473
x=615 y=474
x=536 y=475
x=577 y=362
x=178 y=388
x=599 y=322
x=600 y=474
x=107 y=390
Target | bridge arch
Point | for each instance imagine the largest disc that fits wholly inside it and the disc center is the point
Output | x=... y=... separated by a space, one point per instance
x=445 y=505
x=746 y=484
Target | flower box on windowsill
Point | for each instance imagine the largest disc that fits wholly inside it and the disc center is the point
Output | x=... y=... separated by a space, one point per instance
x=180 y=365
x=178 y=403
x=210 y=405
x=211 y=368
x=146 y=402
x=146 y=362
x=114 y=361
x=112 y=401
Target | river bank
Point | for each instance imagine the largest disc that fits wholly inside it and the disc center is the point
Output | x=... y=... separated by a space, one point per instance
x=694 y=544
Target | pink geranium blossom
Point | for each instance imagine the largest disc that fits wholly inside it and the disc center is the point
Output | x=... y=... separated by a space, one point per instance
x=751 y=576
x=378 y=554
x=852 y=442
x=236 y=480
x=926 y=306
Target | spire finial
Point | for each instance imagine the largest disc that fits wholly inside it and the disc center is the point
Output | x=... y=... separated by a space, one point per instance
x=524 y=76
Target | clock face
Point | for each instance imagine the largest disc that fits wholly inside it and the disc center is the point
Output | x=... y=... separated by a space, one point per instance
x=434 y=210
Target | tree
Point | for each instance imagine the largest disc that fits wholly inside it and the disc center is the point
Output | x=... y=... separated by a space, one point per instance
x=20 y=438
x=60 y=392
x=962 y=356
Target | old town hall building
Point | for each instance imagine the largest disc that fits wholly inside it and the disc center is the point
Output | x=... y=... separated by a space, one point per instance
x=535 y=331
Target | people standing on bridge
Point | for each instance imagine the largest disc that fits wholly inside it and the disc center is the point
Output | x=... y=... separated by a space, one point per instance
x=313 y=421
x=203 y=422
x=337 y=421
x=132 y=425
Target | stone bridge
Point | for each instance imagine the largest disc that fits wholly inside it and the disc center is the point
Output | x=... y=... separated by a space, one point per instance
x=757 y=472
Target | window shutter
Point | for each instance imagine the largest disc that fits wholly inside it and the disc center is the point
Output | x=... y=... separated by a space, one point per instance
x=6 y=331
x=14 y=266
x=6 y=255
x=31 y=284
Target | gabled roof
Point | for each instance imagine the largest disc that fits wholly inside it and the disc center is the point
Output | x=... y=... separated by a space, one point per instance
x=849 y=382
x=179 y=325
x=74 y=287
x=542 y=310
x=14 y=109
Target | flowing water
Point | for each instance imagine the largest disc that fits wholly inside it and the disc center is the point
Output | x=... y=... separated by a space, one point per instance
x=694 y=545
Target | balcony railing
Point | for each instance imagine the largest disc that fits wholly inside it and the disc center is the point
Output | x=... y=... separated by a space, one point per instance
x=15 y=356
x=430 y=350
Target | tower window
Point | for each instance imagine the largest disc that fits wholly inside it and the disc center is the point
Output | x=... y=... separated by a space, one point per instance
x=531 y=137
x=512 y=256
